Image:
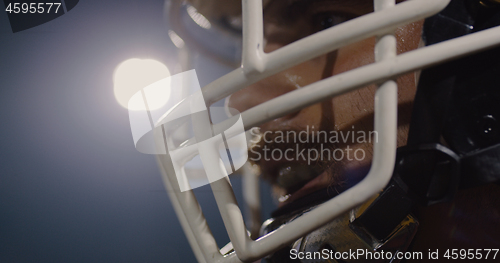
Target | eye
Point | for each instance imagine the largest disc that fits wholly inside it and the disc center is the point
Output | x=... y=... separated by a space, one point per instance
x=323 y=21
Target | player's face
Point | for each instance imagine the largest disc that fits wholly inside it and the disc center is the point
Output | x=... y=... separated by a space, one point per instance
x=346 y=121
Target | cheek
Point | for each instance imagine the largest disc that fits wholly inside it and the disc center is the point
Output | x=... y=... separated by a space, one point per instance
x=354 y=56
x=362 y=53
x=409 y=36
x=356 y=108
x=291 y=79
x=348 y=107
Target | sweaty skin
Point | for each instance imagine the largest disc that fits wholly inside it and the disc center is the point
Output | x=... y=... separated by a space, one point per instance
x=348 y=112
x=457 y=224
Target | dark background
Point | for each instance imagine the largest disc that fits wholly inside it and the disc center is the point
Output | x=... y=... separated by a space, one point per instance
x=72 y=186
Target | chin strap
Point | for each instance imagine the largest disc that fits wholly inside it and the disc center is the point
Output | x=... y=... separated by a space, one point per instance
x=352 y=236
x=454 y=138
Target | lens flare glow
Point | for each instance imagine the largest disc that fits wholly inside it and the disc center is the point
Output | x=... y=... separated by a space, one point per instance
x=198 y=18
x=135 y=74
x=176 y=39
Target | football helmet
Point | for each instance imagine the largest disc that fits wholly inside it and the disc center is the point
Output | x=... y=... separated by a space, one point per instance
x=453 y=141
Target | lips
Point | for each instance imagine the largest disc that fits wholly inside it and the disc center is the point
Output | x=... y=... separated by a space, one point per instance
x=294 y=180
x=298 y=176
x=292 y=177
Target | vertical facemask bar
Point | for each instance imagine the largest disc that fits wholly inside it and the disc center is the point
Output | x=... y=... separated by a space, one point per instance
x=252 y=60
x=176 y=204
x=384 y=153
x=251 y=197
x=385 y=68
x=190 y=215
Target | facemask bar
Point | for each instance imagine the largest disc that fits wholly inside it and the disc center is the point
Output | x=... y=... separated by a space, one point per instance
x=257 y=65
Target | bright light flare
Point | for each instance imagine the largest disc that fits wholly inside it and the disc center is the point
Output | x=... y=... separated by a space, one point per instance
x=176 y=39
x=198 y=18
x=135 y=74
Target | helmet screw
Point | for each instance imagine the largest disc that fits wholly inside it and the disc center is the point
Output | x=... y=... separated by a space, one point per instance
x=488 y=127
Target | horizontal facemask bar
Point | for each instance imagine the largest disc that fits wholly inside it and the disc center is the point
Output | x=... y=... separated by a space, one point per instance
x=258 y=65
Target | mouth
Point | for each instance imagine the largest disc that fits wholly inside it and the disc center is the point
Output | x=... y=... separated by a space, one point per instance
x=292 y=177
x=292 y=181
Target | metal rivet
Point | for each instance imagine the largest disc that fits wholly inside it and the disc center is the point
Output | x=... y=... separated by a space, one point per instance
x=488 y=127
